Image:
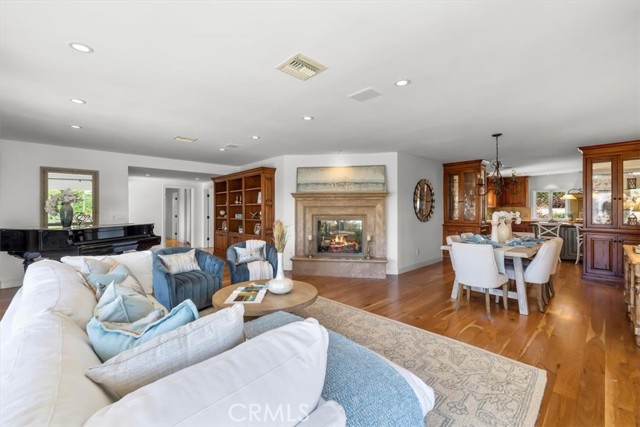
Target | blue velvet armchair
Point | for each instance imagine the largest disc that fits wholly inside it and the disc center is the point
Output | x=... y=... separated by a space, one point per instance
x=198 y=286
x=240 y=273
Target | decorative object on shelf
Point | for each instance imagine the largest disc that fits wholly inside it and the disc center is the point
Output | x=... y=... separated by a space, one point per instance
x=257 y=229
x=65 y=199
x=632 y=183
x=238 y=216
x=369 y=240
x=632 y=219
x=495 y=181
x=82 y=218
x=501 y=225
x=310 y=246
x=240 y=230
x=223 y=213
x=255 y=215
x=280 y=284
x=223 y=227
x=259 y=200
x=423 y=200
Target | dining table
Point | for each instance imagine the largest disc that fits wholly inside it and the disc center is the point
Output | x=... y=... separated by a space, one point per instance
x=517 y=254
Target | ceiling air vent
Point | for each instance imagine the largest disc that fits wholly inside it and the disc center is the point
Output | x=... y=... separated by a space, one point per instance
x=301 y=67
x=185 y=139
x=231 y=146
x=364 y=94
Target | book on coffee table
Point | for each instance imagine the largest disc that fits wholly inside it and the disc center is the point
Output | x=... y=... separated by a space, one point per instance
x=252 y=294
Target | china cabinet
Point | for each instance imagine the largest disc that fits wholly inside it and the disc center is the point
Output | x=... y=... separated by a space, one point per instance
x=243 y=206
x=611 y=174
x=464 y=211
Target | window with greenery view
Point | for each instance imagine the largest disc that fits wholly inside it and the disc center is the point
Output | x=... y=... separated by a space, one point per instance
x=84 y=205
x=549 y=204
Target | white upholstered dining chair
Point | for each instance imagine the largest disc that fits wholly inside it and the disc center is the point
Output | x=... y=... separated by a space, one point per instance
x=475 y=266
x=539 y=270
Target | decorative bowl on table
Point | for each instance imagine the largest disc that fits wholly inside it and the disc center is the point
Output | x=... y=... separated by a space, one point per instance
x=280 y=286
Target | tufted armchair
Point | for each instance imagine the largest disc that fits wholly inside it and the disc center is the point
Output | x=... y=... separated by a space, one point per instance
x=198 y=286
x=240 y=273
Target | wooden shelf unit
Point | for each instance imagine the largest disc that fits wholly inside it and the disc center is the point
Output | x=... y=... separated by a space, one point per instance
x=248 y=199
x=611 y=174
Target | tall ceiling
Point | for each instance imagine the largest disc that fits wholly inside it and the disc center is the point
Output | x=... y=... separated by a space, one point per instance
x=551 y=76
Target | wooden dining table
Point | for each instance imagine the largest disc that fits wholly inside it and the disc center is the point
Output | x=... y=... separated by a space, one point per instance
x=516 y=254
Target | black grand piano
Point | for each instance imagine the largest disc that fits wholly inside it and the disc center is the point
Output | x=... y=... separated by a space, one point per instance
x=54 y=243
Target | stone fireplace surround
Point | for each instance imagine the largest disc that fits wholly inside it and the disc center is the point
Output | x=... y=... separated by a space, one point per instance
x=369 y=205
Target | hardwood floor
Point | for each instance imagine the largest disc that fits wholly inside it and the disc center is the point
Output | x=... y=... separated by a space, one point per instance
x=584 y=340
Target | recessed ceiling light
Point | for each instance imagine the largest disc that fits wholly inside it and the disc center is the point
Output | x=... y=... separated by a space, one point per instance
x=75 y=126
x=222 y=149
x=255 y=137
x=81 y=47
x=147 y=174
x=402 y=82
x=307 y=118
x=78 y=101
x=197 y=179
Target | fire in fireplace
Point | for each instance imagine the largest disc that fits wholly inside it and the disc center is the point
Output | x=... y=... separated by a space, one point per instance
x=339 y=236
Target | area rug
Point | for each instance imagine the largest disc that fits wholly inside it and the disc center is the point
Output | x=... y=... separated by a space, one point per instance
x=473 y=387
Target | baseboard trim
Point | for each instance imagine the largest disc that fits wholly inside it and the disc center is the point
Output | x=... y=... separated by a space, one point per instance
x=10 y=284
x=412 y=267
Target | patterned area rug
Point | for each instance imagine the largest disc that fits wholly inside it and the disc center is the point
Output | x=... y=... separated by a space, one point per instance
x=473 y=387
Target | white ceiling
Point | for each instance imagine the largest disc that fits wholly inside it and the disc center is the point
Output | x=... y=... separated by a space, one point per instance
x=551 y=76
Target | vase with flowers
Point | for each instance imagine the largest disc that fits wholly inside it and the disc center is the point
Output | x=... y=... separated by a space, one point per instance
x=61 y=204
x=501 y=225
x=280 y=284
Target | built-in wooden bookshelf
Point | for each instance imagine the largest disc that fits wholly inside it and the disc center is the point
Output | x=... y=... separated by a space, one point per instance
x=248 y=201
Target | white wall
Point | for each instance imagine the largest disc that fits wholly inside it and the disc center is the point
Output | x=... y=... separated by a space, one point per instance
x=147 y=204
x=565 y=181
x=415 y=236
x=20 y=185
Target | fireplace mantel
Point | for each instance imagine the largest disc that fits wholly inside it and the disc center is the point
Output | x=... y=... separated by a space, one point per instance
x=369 y=205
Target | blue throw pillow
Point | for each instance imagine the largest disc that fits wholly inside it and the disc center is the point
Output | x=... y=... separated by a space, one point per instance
x=109 y=339
x=371 y=392
x=121 y=304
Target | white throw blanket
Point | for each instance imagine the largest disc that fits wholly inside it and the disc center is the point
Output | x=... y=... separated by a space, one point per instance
x=259 y=270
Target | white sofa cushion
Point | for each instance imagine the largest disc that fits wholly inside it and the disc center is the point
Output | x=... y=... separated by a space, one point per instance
x=139 y=263
x=281 y=370
x=329 y=413
x=171 y=352
x=50 y=285
x=43 y=381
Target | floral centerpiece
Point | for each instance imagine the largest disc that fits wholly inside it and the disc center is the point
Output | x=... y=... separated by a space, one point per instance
x=280 y=284
x=501 y=225
x=60 y=204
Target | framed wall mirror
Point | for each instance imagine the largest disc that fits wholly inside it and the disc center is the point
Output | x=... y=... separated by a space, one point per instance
x=82 y=183
x=423 y=200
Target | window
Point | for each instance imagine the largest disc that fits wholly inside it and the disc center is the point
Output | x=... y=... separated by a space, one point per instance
x=549 y=204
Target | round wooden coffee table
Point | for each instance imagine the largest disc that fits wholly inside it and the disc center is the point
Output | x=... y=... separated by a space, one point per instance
x=302 y=295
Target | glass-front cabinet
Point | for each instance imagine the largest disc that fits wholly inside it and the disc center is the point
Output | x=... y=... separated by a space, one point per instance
x=612 y=207
x=464 y=210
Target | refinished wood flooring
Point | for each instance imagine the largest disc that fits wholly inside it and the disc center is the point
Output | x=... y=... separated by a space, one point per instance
x=584 y=340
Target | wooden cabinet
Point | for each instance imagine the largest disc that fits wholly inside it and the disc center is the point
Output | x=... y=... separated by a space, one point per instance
x=611 y=174
x=519 y=199
x=464 y=211
x=244 y=207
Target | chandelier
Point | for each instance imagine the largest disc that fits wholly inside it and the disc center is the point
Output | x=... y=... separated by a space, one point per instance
x=495 y=182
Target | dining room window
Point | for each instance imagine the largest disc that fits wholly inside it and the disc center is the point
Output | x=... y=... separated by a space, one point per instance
x=549 y=204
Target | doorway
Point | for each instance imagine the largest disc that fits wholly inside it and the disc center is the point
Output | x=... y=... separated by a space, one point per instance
x=178 y=216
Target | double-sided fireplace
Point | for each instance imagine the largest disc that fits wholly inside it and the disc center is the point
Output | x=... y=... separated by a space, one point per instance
x=339 y=236
x=332 y=231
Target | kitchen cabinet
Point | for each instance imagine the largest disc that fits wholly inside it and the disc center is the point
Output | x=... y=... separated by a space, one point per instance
x=464 y=211
x=569 y=244
x=611 y=174
x=244 y=207
x=519 y=199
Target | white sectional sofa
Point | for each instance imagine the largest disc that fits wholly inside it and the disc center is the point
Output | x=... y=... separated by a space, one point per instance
x=45 y=352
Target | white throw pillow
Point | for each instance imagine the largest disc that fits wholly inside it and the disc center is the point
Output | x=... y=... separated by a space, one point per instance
x=171 y=352
x=43 y=381
x=329 y=413
x=140 y=264
x=50 y=285
x=181 y=262
x=280 y=372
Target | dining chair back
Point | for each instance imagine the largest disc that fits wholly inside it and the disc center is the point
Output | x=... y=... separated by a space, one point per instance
x=579 y=240
x=539 y=271
x=547 y=230
x=476 y=267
